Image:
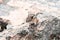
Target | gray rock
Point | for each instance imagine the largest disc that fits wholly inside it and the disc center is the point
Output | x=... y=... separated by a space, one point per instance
x=50 y=27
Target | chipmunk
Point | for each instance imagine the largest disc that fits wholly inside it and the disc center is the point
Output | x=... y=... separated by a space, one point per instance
x=32 y=19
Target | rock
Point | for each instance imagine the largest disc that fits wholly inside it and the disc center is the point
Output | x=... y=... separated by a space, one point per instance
x=51 y=28
x=1 y=1
x=23 y=33
x=55 y=36
x=8 y=38
x=16 y=37
x=20 y=36
x=3 y=24
x=42 y=22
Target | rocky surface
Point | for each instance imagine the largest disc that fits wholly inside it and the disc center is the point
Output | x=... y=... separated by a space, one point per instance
x=30 y=19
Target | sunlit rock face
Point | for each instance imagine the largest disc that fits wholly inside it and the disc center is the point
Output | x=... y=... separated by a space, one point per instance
x=30 y=19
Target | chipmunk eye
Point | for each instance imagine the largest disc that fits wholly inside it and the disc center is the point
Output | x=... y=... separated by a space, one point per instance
x=31 y=17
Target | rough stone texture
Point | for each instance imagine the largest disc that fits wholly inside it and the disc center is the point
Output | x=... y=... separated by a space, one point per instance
x=51 y=31
x=51 y=26
x=30 y=19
